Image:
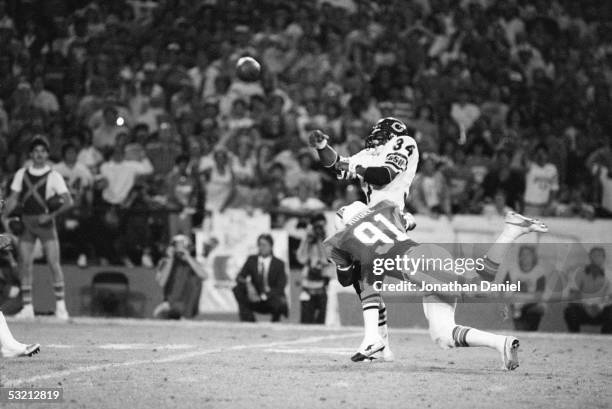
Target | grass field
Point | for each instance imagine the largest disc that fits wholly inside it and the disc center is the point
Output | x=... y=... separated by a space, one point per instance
x=147 y=364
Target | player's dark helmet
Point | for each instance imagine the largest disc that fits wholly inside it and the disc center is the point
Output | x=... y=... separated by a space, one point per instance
x=384 y=130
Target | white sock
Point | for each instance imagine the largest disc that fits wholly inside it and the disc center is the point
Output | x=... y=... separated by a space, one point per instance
x=370 y=323
x=6 y=338
x=383 y=331
x=478 y=338
x=60 y=304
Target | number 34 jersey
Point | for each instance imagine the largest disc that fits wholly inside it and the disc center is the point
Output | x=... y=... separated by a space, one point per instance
x=401 y=154
x=377 y=233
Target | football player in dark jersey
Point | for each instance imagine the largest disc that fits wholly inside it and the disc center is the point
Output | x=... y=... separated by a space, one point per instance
x=378 y=233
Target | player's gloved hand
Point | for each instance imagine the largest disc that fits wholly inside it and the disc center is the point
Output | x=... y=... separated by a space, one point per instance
x=409 y=221
x=352 y=166
x=342 y=166
x=318 y=139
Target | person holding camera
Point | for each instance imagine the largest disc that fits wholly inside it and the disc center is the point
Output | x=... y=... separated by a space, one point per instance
x=313 y=255
x=180 y=275
x=33 y=191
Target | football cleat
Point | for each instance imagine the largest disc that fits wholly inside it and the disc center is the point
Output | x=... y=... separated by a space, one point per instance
x=368 y=349
x=526 y=224
x=21 y=350
x=510 y=354
x=386 y=354
x=26 y=313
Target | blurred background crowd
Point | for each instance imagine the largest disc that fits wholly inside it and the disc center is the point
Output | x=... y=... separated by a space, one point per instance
x=509 y=101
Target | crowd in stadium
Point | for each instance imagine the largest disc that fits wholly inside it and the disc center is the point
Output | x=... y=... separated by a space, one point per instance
x=509 y=100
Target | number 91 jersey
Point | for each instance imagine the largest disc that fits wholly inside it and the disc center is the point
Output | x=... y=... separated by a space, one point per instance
x=400 y=154
x=377 y=233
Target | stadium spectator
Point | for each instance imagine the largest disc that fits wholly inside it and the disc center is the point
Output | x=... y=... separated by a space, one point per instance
x=162 y=148
x=44 y=99
x=591 y=291
x=104 y=136
x=180 y=276
x=316 y=272
x=530 y=272
x=541 y=183
x=117 y=178
x=220 y=184
x=430 y=193
x=427 y=134
x=464 y=112
x=502 y=177
x=260 y=284
x=75 y=223
x=498 y=206
x=182 y=194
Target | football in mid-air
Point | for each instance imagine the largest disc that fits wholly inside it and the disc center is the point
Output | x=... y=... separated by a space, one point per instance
x=248 y=69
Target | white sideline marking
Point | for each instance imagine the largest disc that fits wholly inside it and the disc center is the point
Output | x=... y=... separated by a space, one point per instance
x=174 y=358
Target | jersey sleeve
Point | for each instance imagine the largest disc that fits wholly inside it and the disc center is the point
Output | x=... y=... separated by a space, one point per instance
x=398 y=152
x=17 y=181
x=58 y=184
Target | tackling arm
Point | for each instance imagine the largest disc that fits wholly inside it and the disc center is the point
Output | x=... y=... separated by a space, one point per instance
x=376 y=175
x=327 y=155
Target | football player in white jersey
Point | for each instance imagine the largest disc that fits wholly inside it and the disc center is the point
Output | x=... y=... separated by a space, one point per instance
x=9 y=346
x=385 y=170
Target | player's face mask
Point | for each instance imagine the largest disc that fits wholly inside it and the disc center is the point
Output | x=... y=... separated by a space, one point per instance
x=378 y=137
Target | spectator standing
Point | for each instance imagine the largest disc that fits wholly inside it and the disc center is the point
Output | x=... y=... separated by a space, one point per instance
x=182 y=193
x=541 y=183
x=80 y=182
x=117 y=178
x=104 y=136
x=44 y=99
x=464 y=112
x=219 y=182
x=431 y=193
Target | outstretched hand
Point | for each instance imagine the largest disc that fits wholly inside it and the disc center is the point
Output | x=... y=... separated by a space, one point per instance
x=317 y=139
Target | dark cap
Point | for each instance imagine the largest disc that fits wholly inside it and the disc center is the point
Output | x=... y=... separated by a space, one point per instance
x=38 y=140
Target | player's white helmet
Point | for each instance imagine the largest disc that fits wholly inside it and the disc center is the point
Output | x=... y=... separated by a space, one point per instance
x=346 y=213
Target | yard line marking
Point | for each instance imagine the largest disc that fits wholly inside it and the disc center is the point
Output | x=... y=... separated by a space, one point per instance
x=173 y=358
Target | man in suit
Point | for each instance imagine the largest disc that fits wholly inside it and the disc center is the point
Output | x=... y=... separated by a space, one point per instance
x=260 y=285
